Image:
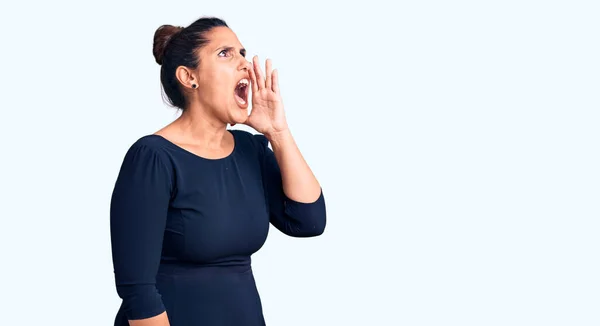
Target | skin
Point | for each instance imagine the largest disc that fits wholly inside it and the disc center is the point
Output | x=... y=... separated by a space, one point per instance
x=202 y=127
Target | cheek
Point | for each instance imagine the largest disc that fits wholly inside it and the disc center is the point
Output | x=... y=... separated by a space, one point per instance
x=224 y=92
x=214 y=90
x=217 y=86
x=218 y=83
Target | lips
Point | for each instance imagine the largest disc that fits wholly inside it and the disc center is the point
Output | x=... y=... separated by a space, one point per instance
x=241 y=92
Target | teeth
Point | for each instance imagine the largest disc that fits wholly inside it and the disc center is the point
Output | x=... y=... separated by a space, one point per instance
x=244 y=82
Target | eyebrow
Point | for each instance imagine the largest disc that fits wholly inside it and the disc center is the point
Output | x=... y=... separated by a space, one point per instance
x=230 y=48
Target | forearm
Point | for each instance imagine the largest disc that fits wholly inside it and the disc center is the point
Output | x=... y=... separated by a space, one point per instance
x=299 y=182
x=159 y=320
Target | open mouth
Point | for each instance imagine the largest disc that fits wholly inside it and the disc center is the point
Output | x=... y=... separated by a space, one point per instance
x=241 y=92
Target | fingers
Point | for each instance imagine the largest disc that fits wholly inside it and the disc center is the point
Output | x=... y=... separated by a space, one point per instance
x=253 y=80
x=268 y=81
x=260 y=78
x=275 y=78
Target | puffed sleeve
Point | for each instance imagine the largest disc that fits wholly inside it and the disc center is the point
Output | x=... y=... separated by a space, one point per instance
x=288 y=216
x=138 y=213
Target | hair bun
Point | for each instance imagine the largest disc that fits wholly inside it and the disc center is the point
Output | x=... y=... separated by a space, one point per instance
x=162 y=36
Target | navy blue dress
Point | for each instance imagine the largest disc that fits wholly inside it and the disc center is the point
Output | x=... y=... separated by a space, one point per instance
x=183 y=229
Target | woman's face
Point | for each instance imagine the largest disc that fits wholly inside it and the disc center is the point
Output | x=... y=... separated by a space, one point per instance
x=223 y=76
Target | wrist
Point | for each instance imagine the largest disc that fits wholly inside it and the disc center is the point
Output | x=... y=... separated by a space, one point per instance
x=277 y=138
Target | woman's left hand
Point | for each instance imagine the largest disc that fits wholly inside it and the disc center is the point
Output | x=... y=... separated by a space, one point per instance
x=267 y=116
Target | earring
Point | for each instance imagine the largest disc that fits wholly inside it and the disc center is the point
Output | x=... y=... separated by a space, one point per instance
x=194 y=86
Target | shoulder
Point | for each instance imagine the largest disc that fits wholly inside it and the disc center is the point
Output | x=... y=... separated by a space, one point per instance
x=148 y=149
x=149 y=143
x=146 y=160
x=152 y=141
x=257 y=141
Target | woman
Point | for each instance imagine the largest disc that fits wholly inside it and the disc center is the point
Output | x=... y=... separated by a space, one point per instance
x=193 y=201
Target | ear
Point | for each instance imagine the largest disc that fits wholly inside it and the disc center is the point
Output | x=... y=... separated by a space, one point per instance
x=186 y=77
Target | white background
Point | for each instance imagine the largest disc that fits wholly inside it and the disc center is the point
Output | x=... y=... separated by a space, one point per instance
x=457 y=144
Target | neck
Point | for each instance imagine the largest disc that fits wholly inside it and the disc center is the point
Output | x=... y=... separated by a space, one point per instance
x=196 y=126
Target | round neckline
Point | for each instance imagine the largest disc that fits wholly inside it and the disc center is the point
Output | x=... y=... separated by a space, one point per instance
x=172 y=144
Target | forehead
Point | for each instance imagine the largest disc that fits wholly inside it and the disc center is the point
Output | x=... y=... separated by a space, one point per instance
x=222 y=36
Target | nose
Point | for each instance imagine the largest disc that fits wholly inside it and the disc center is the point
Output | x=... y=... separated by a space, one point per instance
x=245 y=64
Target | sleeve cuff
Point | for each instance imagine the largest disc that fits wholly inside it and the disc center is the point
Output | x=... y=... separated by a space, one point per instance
x=141 y=301
x=312 y=215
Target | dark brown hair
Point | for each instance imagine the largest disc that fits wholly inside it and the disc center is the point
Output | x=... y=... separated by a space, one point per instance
x=176 y=46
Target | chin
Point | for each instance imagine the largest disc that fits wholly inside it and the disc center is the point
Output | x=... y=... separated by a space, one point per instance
x=238 y=115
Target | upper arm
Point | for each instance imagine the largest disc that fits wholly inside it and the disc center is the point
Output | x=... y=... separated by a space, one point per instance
x=138 y=213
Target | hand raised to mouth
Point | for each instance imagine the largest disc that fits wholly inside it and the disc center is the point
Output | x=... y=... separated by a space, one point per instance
x=267 y=116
